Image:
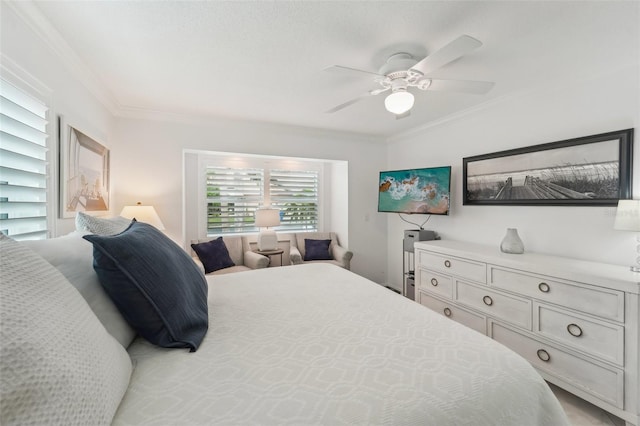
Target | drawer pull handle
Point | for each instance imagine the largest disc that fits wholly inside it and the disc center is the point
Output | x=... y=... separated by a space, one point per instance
x=447 y=264
x=434 y=282
x=447 y=312
x=574 y=330
x=544 y=287
x=487 y=300
x=543 y=355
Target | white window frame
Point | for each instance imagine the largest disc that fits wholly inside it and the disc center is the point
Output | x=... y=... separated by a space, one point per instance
x=24 y=81
x=234 y=160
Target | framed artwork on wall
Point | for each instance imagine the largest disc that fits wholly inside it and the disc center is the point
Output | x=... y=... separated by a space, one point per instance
x=84 y=172
x=587 y=171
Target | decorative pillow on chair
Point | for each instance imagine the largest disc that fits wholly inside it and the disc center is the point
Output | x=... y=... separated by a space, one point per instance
x=317 y=250
x=101 y=225
x=57 y=362
x=213 y=255
x=154 y=283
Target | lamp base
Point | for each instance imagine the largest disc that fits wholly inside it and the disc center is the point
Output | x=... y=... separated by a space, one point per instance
x=267 y=240
x=635 y=268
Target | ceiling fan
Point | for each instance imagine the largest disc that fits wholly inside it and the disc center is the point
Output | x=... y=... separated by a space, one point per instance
x=402 y=71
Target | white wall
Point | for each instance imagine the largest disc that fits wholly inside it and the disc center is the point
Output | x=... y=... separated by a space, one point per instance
x=147 y=157
x=606 y=103
x=147 y=166
x=22 y=49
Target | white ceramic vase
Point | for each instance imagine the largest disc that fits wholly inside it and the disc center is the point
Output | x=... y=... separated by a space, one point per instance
x=511 y=243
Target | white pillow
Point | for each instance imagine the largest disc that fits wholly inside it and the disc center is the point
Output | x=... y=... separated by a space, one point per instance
x=101 y=225
x=58 y=364
x=73 y=256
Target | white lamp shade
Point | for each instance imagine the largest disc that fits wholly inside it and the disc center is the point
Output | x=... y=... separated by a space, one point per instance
x=267 y=218
x=628 y=215
x=267 y=239
x=399 y=102
x=146 y=214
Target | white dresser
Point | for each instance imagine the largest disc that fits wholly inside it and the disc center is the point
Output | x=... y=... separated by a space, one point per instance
x=575 y=321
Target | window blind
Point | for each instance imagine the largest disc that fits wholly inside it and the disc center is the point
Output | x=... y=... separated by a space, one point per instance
x=233 y=195
x=23 y=164
x=295 y=193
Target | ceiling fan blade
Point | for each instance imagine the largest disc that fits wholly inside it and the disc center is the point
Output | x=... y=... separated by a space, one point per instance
x=378 y=91
x=359 y=98
x=348 y=103
x=452 y=51
x=403 y=115
x=339 y=69
x=463 y=86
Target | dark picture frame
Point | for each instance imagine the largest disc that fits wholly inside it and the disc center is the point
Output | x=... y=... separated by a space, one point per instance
x=592 y=170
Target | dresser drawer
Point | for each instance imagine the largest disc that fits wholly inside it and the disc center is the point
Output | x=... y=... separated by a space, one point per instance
x=602 y=302
x=597 y=338
x=594 y=378
x=475 y=271
x=456 y=313
x=436 y=283
x=499 y=305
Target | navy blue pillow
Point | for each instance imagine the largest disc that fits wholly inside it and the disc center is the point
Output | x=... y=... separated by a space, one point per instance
x=213 y=255
x=317 y=250
x=156 y=286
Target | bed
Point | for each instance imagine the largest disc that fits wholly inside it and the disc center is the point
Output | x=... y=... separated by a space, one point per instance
x=316 y=344
x=311 y=344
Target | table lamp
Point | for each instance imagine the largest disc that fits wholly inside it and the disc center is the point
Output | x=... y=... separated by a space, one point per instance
x=146 y=214
x=628 y=219
x=265 y=218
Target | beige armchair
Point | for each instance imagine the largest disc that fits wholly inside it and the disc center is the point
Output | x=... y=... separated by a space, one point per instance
x=239 y=252
x=340 y=255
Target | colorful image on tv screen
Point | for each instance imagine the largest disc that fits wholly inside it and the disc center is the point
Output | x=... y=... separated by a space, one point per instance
x=415 y=191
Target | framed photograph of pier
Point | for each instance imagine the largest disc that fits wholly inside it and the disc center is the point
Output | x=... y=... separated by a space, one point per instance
x=587 y=171
x=84 y=172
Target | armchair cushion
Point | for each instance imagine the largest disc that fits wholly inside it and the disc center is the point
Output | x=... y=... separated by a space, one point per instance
x=317 y=250
x=213 y=255
x=343 y=255
x=255 y=261
x=295 y=256
x=338 y=255
x=239 y=251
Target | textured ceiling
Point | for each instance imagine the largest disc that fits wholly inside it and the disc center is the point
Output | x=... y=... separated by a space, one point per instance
x=264 y=60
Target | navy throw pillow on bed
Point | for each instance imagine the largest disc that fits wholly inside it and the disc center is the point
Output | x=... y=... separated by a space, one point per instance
x=317 y=250
x=213 y=255
x=156 y=286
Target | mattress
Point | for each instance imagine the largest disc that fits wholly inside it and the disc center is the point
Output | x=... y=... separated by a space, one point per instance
x=316 y=344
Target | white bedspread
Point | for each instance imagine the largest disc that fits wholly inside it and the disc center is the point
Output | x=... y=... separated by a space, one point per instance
x=316 y=344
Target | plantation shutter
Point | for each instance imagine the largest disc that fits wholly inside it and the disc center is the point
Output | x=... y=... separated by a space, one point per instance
x=295 y=193
x=23 y=164
x=233 y=195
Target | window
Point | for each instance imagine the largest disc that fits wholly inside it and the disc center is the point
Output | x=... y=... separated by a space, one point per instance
x=23 y=164
x=234 y=194
x=295 y=193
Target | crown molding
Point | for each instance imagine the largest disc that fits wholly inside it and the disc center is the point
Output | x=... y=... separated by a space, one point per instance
x=136 y=113
x=537 y=89
x=15 y=74
x=40 y=25
x=454 y=116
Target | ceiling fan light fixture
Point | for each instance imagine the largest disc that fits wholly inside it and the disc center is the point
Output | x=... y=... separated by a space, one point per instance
x=399 y=102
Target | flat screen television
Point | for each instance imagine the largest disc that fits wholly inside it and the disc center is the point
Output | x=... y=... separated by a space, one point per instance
x=415 y=191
